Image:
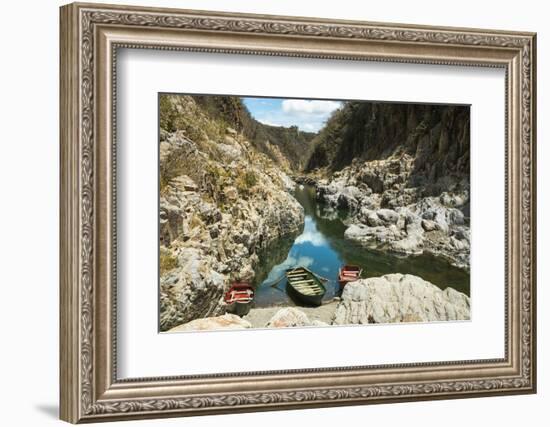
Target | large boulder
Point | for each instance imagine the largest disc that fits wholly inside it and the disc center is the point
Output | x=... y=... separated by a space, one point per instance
x=227 y=321
x=349 y=198
x=343 y=192
x=373 y=178
x=412 y=243
x=378 y=237
x=399 y=298
x=369 y=217
x=288 y=317
x=191 y=291
x=429 y=225
x=388 y=216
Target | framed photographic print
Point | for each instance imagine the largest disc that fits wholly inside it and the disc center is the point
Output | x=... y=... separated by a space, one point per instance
x=266 y=212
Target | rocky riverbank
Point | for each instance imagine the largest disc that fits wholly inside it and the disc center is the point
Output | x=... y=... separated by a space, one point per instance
x=393 y=298
x=387 y=213
x=402 y=171
x=221 y=203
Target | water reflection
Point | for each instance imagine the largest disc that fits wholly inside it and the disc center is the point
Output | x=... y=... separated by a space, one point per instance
x=321 y=248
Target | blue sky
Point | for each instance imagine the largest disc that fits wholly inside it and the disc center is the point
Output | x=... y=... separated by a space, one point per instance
x=308 y=115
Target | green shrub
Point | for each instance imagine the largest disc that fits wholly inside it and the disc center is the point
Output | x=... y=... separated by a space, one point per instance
x=250 y=179
x=167 y=261
x=245 y=181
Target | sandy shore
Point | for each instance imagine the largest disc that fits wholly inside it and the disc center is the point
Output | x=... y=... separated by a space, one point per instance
x=259 y=317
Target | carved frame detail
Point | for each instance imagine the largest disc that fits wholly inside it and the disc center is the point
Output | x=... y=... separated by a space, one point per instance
x=85 y=397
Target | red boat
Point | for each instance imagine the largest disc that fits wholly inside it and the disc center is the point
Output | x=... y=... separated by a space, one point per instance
x=349 y=273
x=239 y=298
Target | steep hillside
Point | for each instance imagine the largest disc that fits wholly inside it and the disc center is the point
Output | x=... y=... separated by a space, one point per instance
x=295 y=145
x=288 y=147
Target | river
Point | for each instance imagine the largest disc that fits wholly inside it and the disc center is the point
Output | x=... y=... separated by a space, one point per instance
x=321 y=247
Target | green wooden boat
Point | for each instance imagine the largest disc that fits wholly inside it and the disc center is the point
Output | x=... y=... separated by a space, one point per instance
x=304 y=286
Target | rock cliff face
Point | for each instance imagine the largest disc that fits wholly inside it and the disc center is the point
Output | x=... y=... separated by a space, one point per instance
x=399 y=298
x=221 y=203
x=402 y=171
x=436 y=136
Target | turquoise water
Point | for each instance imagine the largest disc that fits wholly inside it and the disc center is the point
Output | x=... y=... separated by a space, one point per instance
x=321 y=247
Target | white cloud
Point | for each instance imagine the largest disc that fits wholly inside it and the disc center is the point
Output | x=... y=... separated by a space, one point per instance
x=304 y=123
x=311 y=127
x=308 y=115
x=313 y=107
x=267 y=122
x=304 y=261
x=313 y=237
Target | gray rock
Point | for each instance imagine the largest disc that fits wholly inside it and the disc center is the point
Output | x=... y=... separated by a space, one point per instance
x=373 y=237
x=288 y=317
x=399 y=298
x=225 y=322
x=209 y=213
x=388 y=216
x=288 y=183
x=397 y=198
x=461 y=234
x=186 y=183
x=246 y=273
x=454 y=200
x=230 y=151
x=370 y=218
x=403 y=230
x=429 y=225
x=192 y=291
x=214 y=231
x=410 y=245
x=231 y=194
x=455 y=217
x=373 y=179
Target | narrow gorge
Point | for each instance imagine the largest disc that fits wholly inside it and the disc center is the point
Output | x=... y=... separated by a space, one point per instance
x=384 y=186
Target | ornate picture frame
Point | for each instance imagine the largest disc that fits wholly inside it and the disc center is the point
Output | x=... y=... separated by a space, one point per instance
x=90 y=37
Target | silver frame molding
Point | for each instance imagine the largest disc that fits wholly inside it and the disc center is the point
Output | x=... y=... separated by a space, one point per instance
x=90 y=37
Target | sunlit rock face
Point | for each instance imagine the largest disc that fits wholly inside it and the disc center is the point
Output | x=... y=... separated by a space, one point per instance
x=395 y=298
x=224 y=322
